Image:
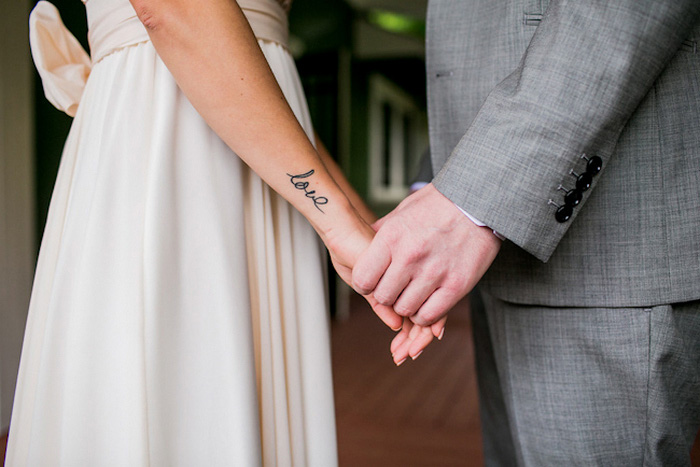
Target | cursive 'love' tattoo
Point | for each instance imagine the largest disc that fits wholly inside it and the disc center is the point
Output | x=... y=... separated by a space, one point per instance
x=300 y=184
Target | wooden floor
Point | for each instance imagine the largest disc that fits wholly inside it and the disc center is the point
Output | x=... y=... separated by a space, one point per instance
x=423 y=413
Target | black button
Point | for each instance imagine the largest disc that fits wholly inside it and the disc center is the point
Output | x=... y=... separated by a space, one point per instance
x=573 y=197
x=563 y=213
x=583 y=181
x=595 y=165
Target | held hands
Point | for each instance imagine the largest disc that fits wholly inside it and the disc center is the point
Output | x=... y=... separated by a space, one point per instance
x=345 y=244
x=425 y=257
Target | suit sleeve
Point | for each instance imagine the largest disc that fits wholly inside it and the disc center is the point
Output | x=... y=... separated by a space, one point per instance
x=425 y=169
x=585 y=71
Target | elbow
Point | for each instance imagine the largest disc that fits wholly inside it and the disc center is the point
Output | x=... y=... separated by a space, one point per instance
x=152 y=13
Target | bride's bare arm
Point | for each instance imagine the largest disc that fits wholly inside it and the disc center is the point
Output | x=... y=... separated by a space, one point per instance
x=210 y=49
x=214 y=57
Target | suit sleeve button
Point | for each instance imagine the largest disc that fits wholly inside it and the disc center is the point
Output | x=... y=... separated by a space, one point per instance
x=573 y=197
x=563 y=213
x=583 y=181
x=594 y=165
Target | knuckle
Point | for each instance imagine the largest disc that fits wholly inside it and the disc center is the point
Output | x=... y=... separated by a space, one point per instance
x=361 y=284
x=456 y=285
x=361 y=276
x=435 y=271
x=388 y=232
x=383 y=298
x=404 y=309
x=419 y=320
x=430 y=316
x=413 y=254
x=403 y=312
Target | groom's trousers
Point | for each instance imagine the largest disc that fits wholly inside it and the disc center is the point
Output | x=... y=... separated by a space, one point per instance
x=588 y=386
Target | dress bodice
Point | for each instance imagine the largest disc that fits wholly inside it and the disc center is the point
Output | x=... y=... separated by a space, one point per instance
x=112 y=24
x=285 y=4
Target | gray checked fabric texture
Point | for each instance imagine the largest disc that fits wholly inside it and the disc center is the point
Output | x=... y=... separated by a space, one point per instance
x=520 y=90
x=582 y=386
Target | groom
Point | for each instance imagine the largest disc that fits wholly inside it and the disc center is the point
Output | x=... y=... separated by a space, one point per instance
x=571 y=129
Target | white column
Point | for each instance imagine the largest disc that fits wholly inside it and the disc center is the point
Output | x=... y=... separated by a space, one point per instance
x=17 y=245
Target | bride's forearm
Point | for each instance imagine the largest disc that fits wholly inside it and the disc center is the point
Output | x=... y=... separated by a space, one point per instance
x=210 y=49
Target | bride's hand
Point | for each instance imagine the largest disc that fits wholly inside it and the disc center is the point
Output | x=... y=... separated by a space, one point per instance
x=345 y=242
x=413 y=339
x=345 y=246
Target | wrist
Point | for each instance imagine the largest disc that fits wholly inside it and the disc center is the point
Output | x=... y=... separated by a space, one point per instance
x=317 y=197
x=345 y=235
x=338 y=219
x=480 y=224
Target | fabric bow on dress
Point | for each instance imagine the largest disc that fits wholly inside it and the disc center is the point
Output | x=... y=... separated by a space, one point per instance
x=63 y=64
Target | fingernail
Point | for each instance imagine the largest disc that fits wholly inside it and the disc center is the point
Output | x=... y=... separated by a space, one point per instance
x=399 y=363
x=399 y=328
x=442 y=333
x=417 y=355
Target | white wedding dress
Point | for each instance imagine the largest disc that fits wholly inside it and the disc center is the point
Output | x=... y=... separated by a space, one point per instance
x=178 y=315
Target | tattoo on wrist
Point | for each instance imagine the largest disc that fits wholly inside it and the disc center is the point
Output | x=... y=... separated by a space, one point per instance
x=300 y=184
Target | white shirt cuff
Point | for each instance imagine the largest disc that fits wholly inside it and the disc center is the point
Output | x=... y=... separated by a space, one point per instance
x=479 y=223
x=415 y=186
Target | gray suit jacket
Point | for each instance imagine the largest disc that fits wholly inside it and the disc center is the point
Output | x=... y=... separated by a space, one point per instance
x=519 y=90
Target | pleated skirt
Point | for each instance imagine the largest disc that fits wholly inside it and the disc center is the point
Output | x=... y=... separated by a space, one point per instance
x=179 y=310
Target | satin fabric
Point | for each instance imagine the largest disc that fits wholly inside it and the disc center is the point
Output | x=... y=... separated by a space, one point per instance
x=179 y=312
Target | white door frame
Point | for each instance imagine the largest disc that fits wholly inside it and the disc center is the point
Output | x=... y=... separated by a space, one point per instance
x=383 y=92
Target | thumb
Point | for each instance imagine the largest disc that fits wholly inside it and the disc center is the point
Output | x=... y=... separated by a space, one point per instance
x=382 y=220
x=378 y=224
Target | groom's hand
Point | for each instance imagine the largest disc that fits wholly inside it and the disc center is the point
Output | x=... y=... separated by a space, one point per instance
x=426 y=256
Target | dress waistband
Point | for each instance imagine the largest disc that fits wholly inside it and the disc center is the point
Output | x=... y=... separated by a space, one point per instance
x=113 y=28
x=64 y=66
x=268 y=20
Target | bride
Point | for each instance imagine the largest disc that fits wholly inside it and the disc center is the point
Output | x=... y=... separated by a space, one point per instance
x=178 y=314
